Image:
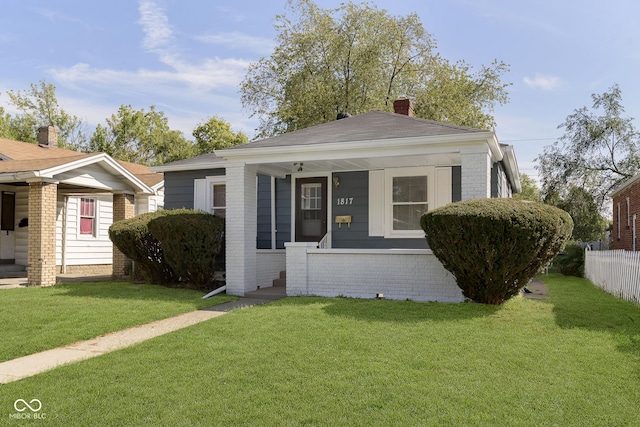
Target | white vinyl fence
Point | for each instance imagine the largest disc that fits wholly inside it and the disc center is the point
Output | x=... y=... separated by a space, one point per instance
x=616 y=272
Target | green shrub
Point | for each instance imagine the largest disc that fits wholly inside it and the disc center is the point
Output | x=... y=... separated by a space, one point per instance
x=132 y=237
x=192 y=242
x=494 y=247
x=571 y=261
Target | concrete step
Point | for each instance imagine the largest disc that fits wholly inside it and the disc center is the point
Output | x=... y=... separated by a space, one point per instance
x=12 y=270
x=281 y=282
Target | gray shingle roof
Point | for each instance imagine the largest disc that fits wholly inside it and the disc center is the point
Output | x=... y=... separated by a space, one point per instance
x=375 y=125
x=203 y=161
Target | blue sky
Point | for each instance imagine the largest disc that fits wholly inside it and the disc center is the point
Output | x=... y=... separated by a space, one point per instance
x=187 y=57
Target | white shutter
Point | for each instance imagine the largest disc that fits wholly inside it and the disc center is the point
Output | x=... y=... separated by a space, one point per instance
x=376 y=203
x=443 y=187
x=200 y=194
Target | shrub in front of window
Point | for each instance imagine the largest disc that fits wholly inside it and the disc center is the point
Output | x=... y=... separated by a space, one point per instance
x=192 y=242
x=494 y=247
x=133 y=238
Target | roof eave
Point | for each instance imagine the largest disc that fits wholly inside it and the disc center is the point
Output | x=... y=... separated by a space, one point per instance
x=511 y=168
x=625 y=185
x=188 y=166
x=50 y=173
x=273 y=153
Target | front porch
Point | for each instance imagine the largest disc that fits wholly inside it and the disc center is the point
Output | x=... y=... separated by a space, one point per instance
x=311 y=270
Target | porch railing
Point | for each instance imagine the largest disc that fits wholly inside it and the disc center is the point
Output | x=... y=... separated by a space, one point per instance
x=325 y=242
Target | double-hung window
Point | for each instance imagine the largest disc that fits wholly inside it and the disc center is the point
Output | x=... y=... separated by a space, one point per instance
x=87 y=216
x=409 y=193
x=409 y=201
x=219 y=199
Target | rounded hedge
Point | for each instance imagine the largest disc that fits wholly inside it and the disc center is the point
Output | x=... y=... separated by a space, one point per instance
x=133 y=238
x=192 y=243
x=494 y=247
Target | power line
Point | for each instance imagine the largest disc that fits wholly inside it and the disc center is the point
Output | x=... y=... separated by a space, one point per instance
x=532 y=139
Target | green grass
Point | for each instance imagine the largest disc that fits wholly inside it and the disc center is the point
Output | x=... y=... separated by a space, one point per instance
x=37 y=319
x=571 y=361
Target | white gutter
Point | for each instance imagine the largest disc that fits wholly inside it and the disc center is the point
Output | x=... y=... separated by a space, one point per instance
x=338 y=149
x=512 y=168
x=189 y=166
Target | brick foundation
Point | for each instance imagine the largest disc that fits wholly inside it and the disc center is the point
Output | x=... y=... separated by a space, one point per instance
x=88 y=270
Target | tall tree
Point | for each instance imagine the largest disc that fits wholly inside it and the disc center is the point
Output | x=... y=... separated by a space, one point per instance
x=530 y=190
x=39 y=107
x=140 y=136
x=588 y=224
x=357 y=58
x=216 y=134
x=598 y=150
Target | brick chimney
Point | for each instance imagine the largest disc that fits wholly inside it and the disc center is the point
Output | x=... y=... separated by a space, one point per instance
x=48 y=136
x=403 y=106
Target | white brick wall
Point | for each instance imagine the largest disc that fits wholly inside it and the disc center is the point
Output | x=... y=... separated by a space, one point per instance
x=297 y=261
x=269 y=265
x=241 y=229
x=398 y=274
x=476 y=174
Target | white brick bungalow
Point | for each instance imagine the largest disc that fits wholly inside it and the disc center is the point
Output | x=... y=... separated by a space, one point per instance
x=337 y=206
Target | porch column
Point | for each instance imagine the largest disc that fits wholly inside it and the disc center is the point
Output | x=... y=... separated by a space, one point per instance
x=123 y=208
x=241 y=228
x=476 y=173
x=41 y=242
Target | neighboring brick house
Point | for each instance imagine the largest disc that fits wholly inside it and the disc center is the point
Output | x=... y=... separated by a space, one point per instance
x=338 y=205
x=626 y=207
x=56 y=207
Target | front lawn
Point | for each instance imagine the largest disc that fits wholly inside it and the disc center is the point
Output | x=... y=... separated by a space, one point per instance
x=36 y=319
x=571 y=361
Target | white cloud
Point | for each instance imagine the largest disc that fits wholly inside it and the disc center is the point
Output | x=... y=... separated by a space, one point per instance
x=210 y=74
x=186 y=90
x=237 y=40
x=55 y=16
x=155 y=24
x=544 y=82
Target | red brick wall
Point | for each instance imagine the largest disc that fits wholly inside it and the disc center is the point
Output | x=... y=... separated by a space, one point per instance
x=625 y=227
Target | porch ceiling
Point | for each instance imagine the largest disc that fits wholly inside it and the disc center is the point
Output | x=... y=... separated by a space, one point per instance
x=280 y=169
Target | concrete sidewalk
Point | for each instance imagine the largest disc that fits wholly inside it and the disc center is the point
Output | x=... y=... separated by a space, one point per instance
x=33 y=364
x=538 y=290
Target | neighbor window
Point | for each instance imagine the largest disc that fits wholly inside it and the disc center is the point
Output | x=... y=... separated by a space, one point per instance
x=87 y=216
x=618 y=220
x=219 y=199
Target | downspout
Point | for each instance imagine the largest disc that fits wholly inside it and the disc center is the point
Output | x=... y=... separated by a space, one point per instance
x=634 y=233
x=215 y=292
x=63 y=249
